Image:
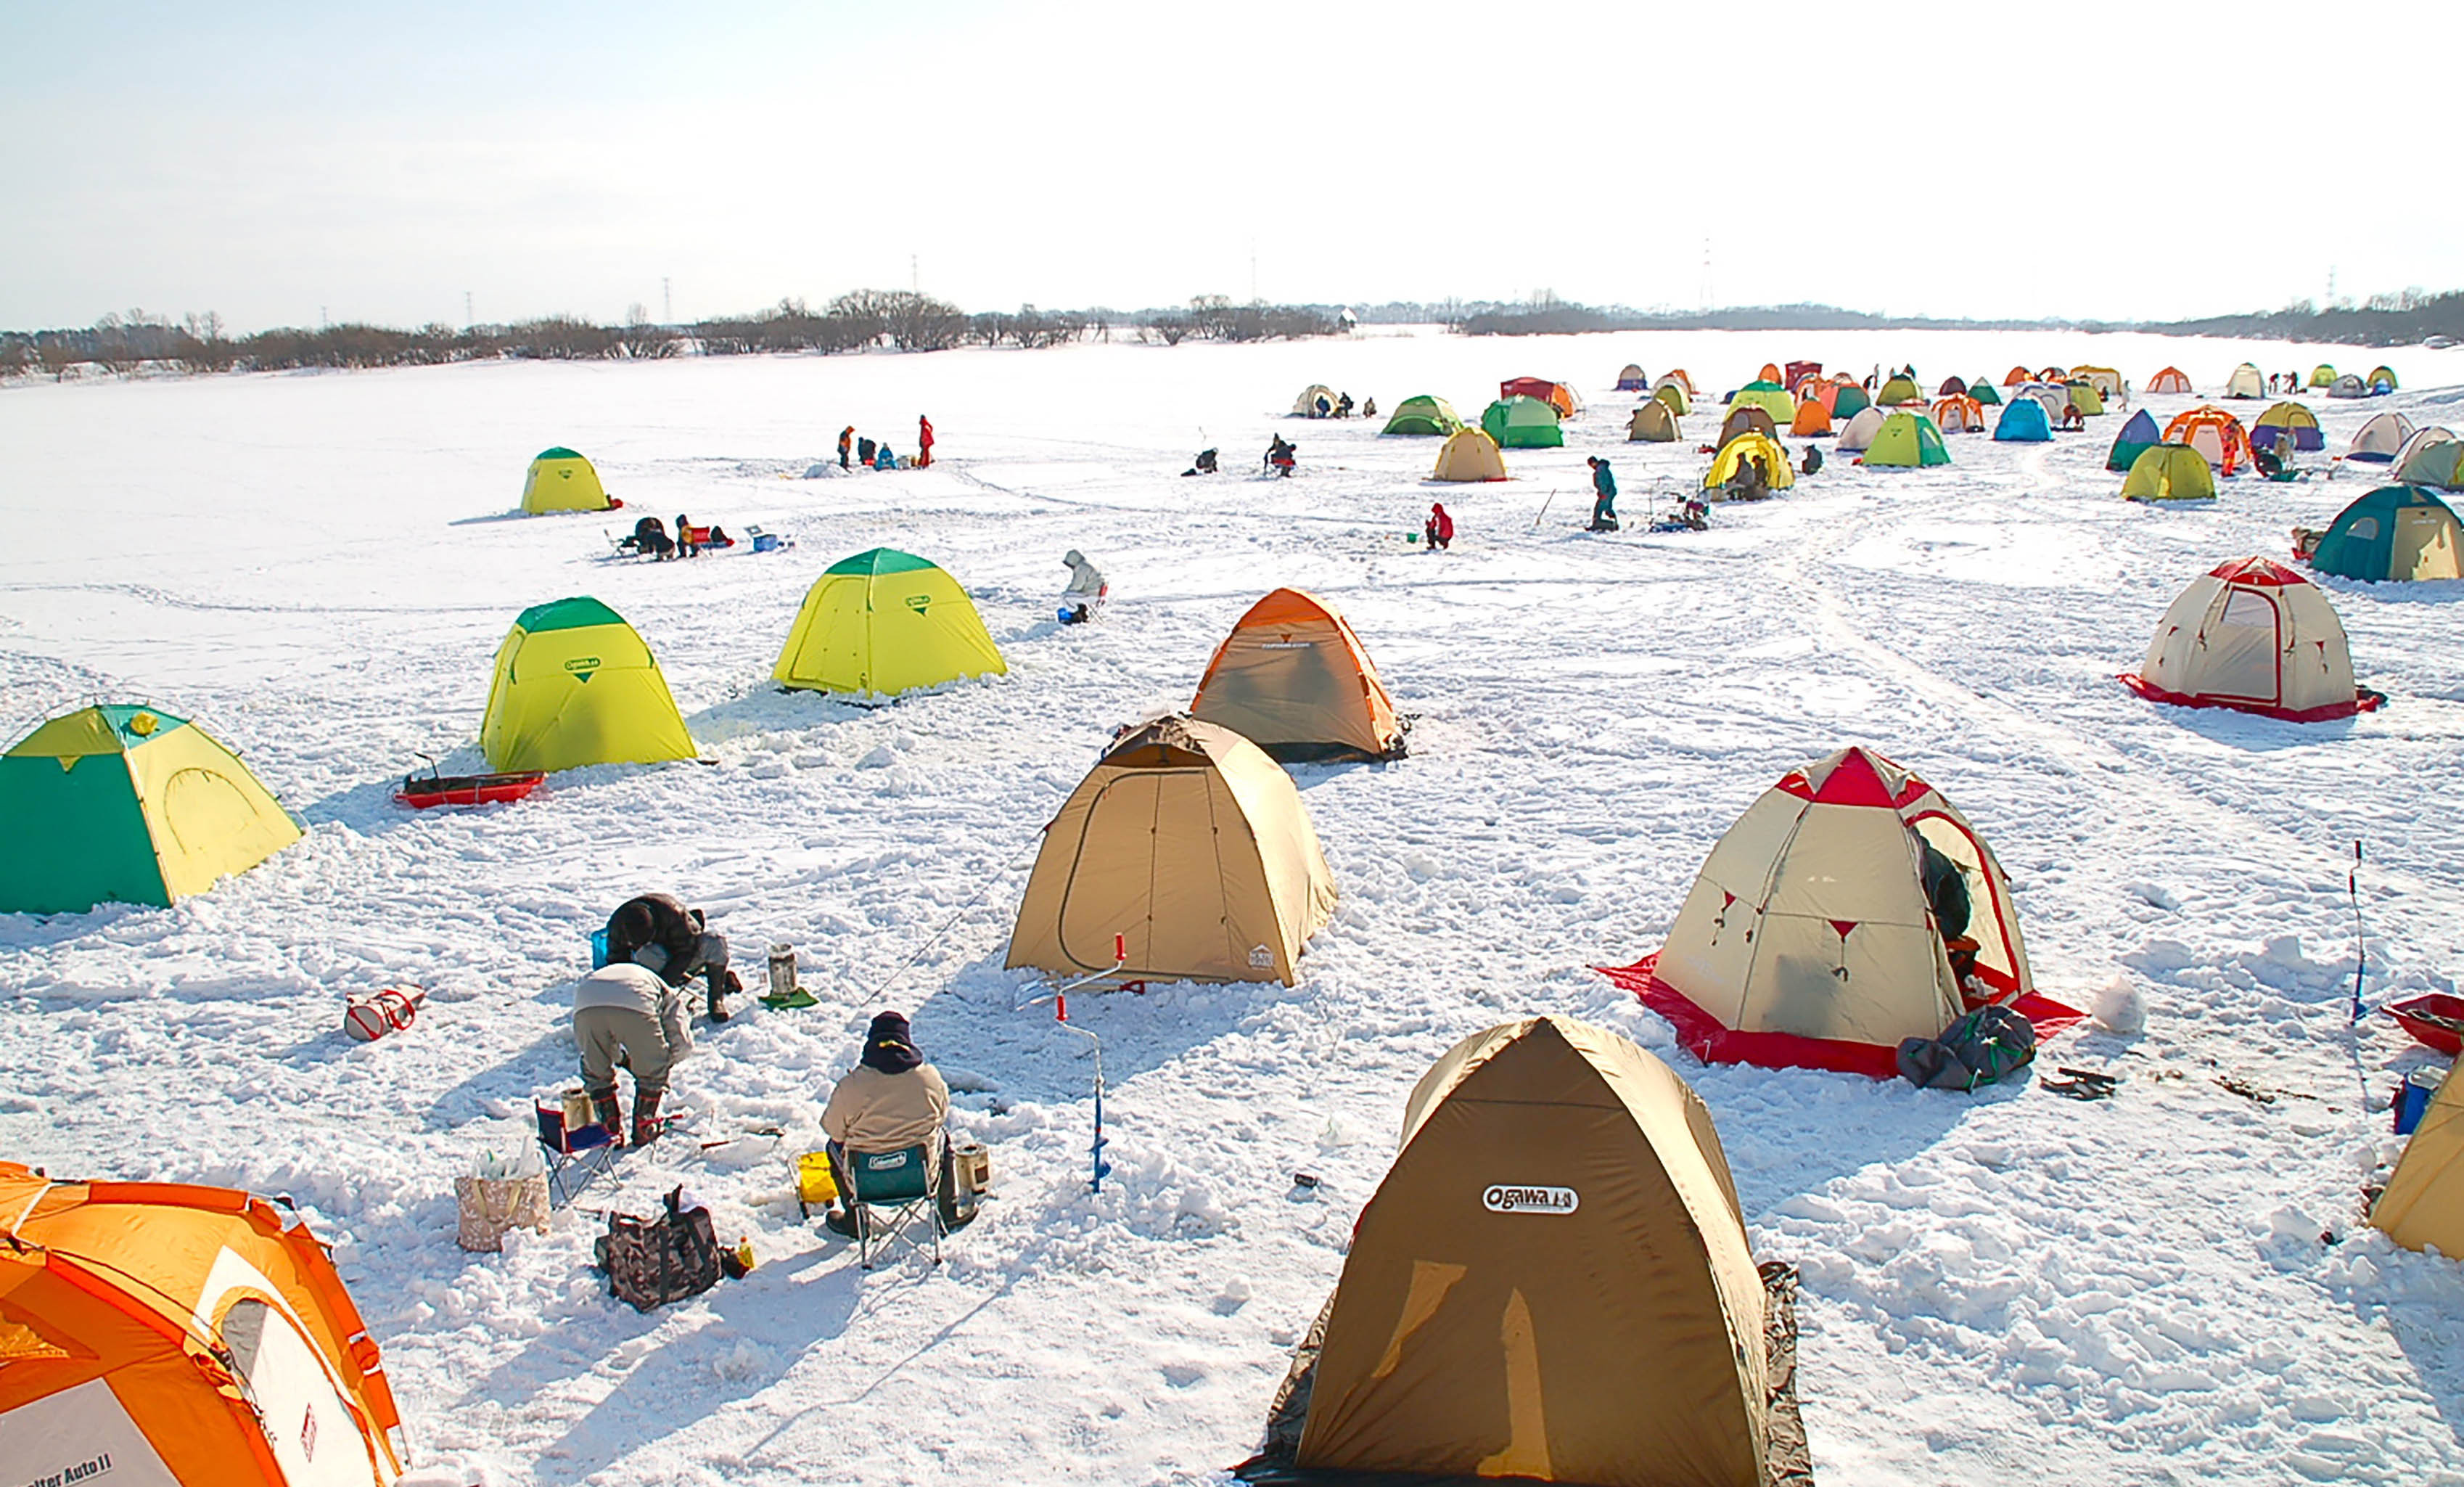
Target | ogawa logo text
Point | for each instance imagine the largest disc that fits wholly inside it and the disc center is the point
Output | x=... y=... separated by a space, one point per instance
x=1508 y=1198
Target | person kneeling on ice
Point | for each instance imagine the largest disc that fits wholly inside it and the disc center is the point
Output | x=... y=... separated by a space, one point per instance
x=1603 y=496
x=1282 y=456
x=658 y=931
x=1440 y=528
x=1812 y=461
x=1203 y=464
x=650 y=535
x=891 y=1101
x=1087 y=588
x=625 y=1016
x=884 y=459
x=2073 y=420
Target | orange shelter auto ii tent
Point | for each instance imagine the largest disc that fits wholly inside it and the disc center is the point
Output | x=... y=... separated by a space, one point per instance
x=1294 y=680
x=160 y=1333
x=2216 y=435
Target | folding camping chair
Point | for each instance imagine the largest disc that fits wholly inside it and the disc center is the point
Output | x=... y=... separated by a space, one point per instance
x=888 y=1194
x=576 y=1157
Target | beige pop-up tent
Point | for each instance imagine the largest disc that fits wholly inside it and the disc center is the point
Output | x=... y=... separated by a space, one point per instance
x=1294 y=680
x=1189 y=844
x=1653 y=422
x=2254 y=636
x=2424 y=1201
x=1469 y=455
x=1552 y=1282
x=1810 y=940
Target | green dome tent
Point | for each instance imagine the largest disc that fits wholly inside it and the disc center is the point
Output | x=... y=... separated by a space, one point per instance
x=1424 y=416
x=121 y=804
x=1985 y=392
x=1522 y=423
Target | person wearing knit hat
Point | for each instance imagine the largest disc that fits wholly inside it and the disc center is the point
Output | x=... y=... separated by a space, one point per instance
x=891 y=1101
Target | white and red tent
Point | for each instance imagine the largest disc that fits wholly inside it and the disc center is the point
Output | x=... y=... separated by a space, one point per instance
x=1809 y=940
x=2257 y=638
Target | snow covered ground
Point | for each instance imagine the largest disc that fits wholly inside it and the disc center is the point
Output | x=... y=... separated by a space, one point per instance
x=318 y=568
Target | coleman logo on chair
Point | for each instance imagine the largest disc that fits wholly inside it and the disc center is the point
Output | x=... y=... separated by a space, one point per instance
x=1506 y=1198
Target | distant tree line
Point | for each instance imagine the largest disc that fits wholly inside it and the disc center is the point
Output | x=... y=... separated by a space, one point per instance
x=1216 y=318
x=2404 y=318
x=121 y=343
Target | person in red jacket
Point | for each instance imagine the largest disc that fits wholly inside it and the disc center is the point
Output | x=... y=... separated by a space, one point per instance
x=923 y=441
x=1441 y=529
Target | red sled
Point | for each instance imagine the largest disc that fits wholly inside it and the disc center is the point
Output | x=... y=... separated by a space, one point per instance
x=2436 y=1020
x=419 y=792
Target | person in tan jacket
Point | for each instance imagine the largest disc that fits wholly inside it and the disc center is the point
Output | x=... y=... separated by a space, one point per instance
x=891 y=1101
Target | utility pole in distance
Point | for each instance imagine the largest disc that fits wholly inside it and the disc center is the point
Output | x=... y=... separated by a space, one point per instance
x=666 y=302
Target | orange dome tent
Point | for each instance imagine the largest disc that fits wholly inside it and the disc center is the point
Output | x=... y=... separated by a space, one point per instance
x=1770 y=371
x=1294 y=680
x=2170 y=380
x=1959 y=414
x=1678 y=375
x=2017 y=375
x=179 y=1334
x=1811 y=419
x=2216 y=435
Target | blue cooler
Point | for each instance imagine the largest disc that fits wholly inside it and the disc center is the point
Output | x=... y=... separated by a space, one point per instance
x=2412 y=1099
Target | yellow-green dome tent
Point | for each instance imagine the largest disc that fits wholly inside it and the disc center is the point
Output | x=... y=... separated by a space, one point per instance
x=574 y=686
x=2169 y=472
x=117 y=803
x=1909 y=441
x=885 y=622
x=563 y=481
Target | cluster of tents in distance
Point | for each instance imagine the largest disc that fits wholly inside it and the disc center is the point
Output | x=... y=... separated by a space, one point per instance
x=1810 y=938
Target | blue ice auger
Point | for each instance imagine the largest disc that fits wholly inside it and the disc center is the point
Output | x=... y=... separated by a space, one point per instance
x=1061 y=1015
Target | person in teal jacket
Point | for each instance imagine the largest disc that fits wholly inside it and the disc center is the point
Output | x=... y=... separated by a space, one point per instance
x=884 y=459
x=1604 y=497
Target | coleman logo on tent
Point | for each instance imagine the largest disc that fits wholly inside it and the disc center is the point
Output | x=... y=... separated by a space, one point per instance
x=583 y=665
x=1261 y=958
x=918 y=602
x=1290 y=645
x=1504 y=1198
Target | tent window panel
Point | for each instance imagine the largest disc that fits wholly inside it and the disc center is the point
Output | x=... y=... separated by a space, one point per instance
x=2364 y=529
x=2245 y=608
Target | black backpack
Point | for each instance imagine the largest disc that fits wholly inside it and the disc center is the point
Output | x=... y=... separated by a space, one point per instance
x=652 y=1261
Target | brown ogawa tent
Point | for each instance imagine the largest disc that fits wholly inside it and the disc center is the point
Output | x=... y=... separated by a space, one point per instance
x=1190 y=844
x=1553 y=1283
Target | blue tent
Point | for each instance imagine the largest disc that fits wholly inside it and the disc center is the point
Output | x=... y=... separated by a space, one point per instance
x=2396 y=531
x=2139 y=435
x=2023 y=420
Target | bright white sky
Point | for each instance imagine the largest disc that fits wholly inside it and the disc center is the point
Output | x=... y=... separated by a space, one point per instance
x=276 y=161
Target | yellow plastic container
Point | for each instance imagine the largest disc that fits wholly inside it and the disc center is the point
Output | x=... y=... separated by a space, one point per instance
x=814 y=1183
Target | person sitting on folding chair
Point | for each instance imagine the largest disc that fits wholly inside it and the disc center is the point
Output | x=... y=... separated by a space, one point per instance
x=890 y=1101
x=625 y=1015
